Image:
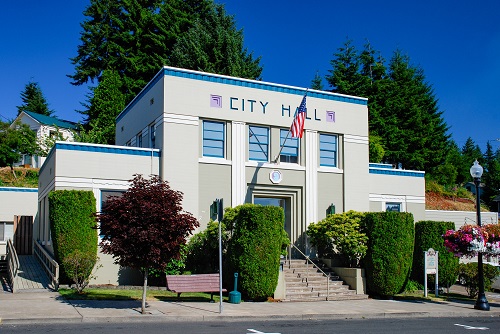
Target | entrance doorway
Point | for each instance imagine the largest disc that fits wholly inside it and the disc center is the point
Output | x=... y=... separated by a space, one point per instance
x=283 y=202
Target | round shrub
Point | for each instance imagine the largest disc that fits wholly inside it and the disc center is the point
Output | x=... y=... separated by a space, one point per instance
x=390 y=251
x=255 y=247
x=469 y=273
x=429 y=234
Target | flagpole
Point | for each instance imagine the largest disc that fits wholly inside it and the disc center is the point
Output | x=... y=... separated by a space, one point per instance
x=288 y=133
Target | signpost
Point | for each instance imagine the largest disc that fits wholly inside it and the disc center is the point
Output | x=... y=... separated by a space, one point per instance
x=431 y=268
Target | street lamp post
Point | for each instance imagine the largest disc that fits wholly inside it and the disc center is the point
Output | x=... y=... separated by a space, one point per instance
x=476 y=171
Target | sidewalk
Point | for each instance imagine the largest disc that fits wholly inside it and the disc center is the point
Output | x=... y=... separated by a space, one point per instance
x=49 y=307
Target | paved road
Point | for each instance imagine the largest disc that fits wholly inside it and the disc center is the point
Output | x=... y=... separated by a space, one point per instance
x=382 y=326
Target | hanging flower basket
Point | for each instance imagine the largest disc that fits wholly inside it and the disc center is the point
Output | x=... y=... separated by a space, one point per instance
x=470 y=240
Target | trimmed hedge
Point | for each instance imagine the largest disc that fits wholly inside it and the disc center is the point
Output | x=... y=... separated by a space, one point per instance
x=72 y=224
x=255 y=247
x=390 y=251
x=429 y=234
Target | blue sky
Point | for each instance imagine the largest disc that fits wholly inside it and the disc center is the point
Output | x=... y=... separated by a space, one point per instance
x=457 y=44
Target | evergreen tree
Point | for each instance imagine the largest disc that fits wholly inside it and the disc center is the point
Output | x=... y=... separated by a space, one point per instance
x=491 y=176
x=470 y=152
x=134 y=38
x=345 y=77
x=417 y=136
x=33 y=100
x=214 y=45
x=402 y=107
x=105 y=103
x=317 y=83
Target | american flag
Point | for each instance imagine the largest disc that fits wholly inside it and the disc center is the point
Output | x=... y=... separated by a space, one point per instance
x=298 y=122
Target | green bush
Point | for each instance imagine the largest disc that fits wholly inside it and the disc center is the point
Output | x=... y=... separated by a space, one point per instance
x=429 y=234
x=468 y=271
x=390 y=251
x=340 y=235
x=255 y=247
x=79 y=266
x=72 y=225
x=203 y=249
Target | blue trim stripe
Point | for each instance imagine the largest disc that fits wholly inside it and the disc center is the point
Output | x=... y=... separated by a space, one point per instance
x=209 y=77
x=375 y=165
x=260 y=85
x=21 y=190
x=107 y=149
x=397 y=172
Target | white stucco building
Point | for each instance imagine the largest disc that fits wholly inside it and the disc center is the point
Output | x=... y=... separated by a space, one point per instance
x=212 y=136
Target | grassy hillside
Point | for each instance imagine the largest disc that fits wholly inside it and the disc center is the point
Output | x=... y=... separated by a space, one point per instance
x=24 y=177
x=457 y=199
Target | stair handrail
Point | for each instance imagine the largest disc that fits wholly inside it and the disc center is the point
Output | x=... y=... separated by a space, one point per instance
x=49 y=264
x=12 y=264
x=308 y=259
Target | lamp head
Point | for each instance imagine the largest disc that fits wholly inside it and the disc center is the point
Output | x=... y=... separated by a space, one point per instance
x=476 y=171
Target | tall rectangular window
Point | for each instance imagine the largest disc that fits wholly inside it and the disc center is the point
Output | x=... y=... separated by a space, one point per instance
x=258 y=143
x=290 y=151
x=328 y=150
x=213 y=139
x=152 y=131
x=139 y=139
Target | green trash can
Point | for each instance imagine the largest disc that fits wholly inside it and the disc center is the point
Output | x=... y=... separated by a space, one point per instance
x=235 y=296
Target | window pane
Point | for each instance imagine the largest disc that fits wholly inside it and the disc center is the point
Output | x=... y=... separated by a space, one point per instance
x=328 y=150
x=213 y=139
x=258 y=143
x=290 y=151
x=396 y=207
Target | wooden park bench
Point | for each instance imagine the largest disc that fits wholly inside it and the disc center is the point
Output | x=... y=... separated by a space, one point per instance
x=194 y=283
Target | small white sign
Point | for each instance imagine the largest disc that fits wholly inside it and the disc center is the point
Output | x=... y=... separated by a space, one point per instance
x=431 y=261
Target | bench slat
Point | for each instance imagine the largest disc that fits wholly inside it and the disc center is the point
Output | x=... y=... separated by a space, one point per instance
x=193 y=283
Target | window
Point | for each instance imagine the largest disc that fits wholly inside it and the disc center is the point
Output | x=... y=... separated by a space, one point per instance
x=258 y=143
x=139 y=140
x=328 y=150
x=152 y=131
x=213 y=139
x=290 y=151
x=395 y=207
x=2 y=231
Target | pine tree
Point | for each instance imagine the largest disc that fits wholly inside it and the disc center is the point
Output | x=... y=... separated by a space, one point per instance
x=33 y=100
x=105 y=103
x=470 y=152
x=345 y=77
x=135 y=38
x=491 y=176
x=402 y=107
x=416 y=137
x=317 y=83
x=214 y=45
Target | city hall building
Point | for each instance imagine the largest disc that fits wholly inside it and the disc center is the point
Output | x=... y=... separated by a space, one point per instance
x=218 y=137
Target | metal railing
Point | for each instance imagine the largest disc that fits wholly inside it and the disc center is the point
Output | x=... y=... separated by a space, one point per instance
x=314 y=265
x=49 y=264
x=12 y=264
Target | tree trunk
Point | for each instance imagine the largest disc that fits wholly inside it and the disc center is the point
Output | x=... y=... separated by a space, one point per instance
x=13 y=172
x=144 y=290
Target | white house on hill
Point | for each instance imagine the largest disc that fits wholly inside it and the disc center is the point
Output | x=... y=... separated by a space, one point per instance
x=44 y=126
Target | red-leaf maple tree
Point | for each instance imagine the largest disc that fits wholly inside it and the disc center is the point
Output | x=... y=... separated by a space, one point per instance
x=145 y=227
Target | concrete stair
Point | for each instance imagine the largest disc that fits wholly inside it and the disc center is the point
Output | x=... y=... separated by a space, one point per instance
x=305 y=283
